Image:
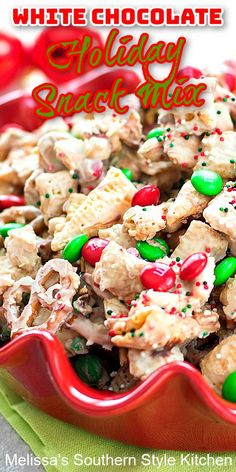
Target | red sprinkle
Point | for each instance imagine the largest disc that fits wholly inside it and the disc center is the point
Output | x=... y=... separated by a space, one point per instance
x=208 y=249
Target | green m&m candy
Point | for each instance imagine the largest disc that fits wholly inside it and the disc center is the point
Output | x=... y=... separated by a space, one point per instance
x=229 y=387
x=155 y=133
x=207 y=182
x=128 y=173
x=224 y=270
x=89 y=369
x=72 y=251
x=155 y=249
x=4 y=230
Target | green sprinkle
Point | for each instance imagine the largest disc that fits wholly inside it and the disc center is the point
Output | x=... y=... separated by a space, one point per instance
x=221 y=209
x=184 y=310
x=207 y=133
x=199 y=149
x=226 y=210
x=189 y=306
x=187 y=293
x=204 y=164
x=47 y=195
x=225 y=99
x=109 y=312
x=88 y=315
x=141 y=334
x=74 y=176
x=171 y=145
x=70 y=190
x=170 y=94
x=177 y=259
x=168 y=129
x=137 y=296
x=38 y=203
x=160 y=139
x=144 y=209
x=233 y=99
x=186 y=137
x=232 y=161
x=204 y=334
x=218 y=112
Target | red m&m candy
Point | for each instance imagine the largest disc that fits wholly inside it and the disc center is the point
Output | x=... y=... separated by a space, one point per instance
x=193 y=266
x=92 y=250
x=159 y=276
x=191 y=72
x=7 y=201
x=147 y=195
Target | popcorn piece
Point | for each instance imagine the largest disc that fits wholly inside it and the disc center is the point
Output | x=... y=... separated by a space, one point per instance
x=19 y=214
x=118 y=271
x=196 y=120
x=54 y=190
x=30 y=193
x=119 y=234
x=98 y=148
x=55 y=124
x=228 y=299
x=143 y=223
x=220 y=154
x=46 y=146
x=8 y=273
x=104 y=206
x=200 y=237
x=72 y=153
x=143 y=363
x=188 y=202
x=21 y=246
x=15 y=138
x=221 y=211
x=182 y=151
x=116 y=128
x=219 y=363
x=151 y=157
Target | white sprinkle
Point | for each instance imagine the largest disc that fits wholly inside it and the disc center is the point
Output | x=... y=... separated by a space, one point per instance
x=218 y=356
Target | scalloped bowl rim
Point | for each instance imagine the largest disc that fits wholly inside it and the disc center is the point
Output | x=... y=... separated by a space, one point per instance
x=92 y=402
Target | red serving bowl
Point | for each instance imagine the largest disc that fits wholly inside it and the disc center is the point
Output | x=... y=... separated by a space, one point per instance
x=173 y=409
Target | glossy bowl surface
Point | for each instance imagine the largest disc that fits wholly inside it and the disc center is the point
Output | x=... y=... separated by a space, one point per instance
x=173 y=409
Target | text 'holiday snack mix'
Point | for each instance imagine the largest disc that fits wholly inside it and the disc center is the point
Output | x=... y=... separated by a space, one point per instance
x=118 y=236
